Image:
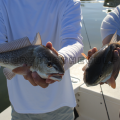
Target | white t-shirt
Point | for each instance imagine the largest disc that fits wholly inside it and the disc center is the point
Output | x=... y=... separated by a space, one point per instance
x=58 y=21
x=111 y=23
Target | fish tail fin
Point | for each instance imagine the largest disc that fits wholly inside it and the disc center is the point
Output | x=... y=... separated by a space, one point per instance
x=8 y=73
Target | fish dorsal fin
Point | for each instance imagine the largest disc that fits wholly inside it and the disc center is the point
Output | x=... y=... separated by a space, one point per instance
x=8 y=73
x=14 y=45
x=37 y=40
x=114 y=38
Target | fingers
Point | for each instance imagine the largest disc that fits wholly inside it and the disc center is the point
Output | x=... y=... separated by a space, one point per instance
x=49 y=81
x=36 y=80
x=94 y=50
x=30 y=79
x=39 y=81
x=116 y=55
x=118 y=49
x=91 y=52
x=33 y=78
x=116 y=61
x=49 y=45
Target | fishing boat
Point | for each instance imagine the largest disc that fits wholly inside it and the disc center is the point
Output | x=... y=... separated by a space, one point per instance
x=111 y=3
x=99 y=102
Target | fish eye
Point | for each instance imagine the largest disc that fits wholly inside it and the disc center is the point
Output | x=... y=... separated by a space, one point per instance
x=100 y=75
x=49 y=64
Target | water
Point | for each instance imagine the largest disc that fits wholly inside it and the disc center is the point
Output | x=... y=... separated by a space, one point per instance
x=4 y=99
x=93 y=14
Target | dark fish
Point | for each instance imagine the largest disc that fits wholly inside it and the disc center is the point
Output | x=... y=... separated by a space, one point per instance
x=101 y=66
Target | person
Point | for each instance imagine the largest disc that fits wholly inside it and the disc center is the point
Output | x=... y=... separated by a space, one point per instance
x=109 y=25
x=59 y=24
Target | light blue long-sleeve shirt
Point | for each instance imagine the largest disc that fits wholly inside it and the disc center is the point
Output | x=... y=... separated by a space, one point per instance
x=57 y=21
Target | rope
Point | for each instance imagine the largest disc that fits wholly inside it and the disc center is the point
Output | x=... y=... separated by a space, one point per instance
x=100 y=85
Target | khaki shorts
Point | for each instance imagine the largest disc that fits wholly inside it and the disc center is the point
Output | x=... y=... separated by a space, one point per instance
x=63 y=113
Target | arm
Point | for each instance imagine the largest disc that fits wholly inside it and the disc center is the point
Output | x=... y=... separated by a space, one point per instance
x=110 y=24
x=71 y=39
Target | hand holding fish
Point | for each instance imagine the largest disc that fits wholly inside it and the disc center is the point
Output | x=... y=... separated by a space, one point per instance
x=33 y=77
x=103 y=65
x=91 y=52
x=116 y=57
x=40 y=65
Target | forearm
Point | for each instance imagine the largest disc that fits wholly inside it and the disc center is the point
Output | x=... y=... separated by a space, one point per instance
x=70 y=36
x=107 y=39
x=71 y=51
x=110 y=24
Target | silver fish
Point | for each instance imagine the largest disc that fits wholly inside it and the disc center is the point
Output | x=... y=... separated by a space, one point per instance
x=101 y=66
x=40 y=59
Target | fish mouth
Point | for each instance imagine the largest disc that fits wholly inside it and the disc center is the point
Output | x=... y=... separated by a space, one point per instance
x=55 y=76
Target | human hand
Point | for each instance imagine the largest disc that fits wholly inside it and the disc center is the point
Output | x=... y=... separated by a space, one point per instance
x=91 y=52
x=33 y=77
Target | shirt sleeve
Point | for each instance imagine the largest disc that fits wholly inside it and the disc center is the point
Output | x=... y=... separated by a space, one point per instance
x=3 y=32
x=111 y=23
x=71 y=39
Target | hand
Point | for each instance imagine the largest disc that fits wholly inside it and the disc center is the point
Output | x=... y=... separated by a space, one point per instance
x=91 y=52
x=33 y=77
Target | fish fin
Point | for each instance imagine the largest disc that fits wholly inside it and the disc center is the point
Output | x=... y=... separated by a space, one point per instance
x=84 y=56
x=23 y=70
x=14 y=45
x=37 y=40
x=8 y=73
x=114 y=38
x=112 y=82
x=84 y=67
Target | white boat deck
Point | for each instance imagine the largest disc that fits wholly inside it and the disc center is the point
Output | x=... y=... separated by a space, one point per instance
x=90 y=103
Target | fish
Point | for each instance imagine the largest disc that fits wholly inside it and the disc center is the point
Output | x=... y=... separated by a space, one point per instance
x=38 y=57
x=101 y=67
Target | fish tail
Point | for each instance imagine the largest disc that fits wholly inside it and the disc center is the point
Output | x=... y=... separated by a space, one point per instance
x=8 y=73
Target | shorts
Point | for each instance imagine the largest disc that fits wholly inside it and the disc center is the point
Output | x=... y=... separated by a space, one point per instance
x=63 y=113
